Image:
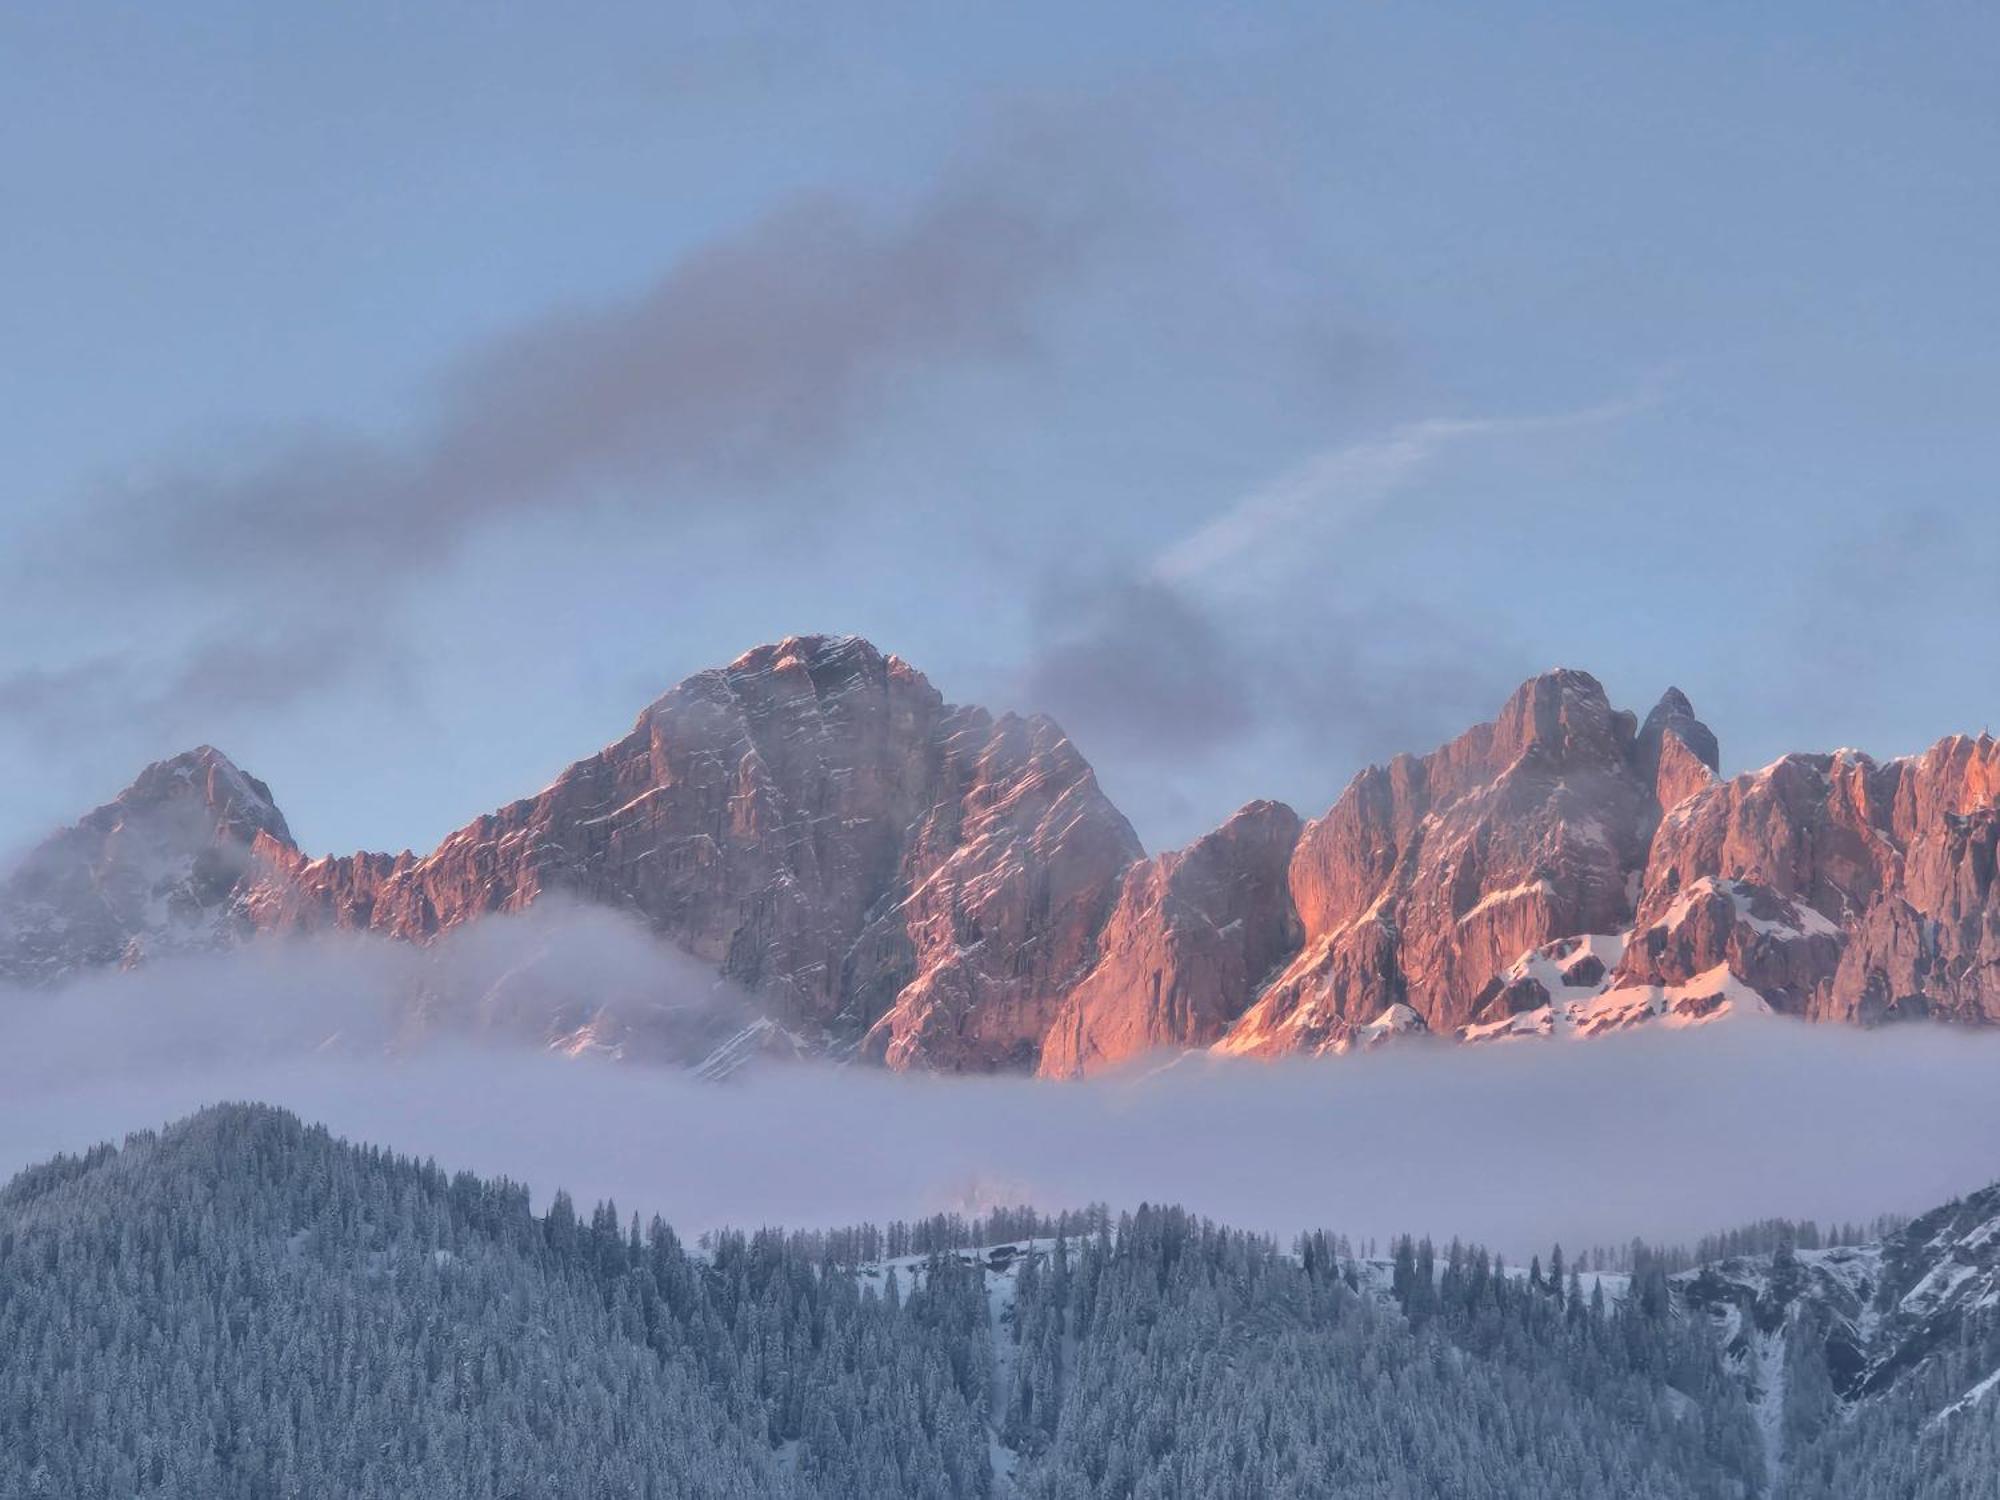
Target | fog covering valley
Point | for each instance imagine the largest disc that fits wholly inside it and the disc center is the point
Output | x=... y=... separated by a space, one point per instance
x=1655 y=1134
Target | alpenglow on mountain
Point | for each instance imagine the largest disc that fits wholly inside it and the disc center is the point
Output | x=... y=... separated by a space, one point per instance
x=927 y=885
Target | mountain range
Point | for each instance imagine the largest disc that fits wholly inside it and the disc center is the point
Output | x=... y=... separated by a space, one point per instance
x=924 y=885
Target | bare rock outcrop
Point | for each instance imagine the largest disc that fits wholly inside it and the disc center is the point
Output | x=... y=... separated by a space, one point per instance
x=1858 y=891
x=1192 y=937
x=1676 y=753
x=1927 y=942
x=1430 y=876
x=877 y=866
x=996 y=906
x=161 y=868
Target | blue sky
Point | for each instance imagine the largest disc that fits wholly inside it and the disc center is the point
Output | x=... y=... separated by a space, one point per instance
x=401 y=397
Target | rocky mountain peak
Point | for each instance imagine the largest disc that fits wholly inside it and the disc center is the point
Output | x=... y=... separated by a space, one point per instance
x=1564 y=715
x=1193 y=935
x=882 y=870
x=1673 y=714
x=1675 y=752
x=1258 y=819
x=933 y=886
x=1481 y=885
x=817 y=657
x=1551 y=724
x=156 y=869
x=204 y=788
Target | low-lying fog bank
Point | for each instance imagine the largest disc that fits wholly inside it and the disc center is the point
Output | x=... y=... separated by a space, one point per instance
x=1664 y=1135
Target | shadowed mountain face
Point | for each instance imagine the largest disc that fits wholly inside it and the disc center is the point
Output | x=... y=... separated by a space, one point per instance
x=161 y=868
x=929 y=886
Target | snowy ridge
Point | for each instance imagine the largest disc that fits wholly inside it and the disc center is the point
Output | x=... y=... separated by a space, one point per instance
x=1970 y=1399
x=1804 y=920
x=1585 y=998
x=1827 y=1342
x=762 y=1039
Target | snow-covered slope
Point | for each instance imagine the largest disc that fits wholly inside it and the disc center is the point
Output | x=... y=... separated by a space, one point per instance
x=1900 y=1334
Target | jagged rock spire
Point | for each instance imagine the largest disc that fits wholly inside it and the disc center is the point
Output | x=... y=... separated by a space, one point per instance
x=1673 y=714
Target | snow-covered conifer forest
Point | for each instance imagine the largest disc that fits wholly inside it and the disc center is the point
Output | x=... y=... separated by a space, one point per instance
x=243 y=1306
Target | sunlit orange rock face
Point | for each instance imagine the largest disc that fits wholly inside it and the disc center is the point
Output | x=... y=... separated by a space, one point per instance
x=1886 y=869
x=1929 y=942
x=882 y=869
x=927 y=886
x=1193 y=937
x=1431 y=875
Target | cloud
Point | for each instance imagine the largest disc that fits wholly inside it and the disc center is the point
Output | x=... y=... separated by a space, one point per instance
x=1159 y=684
x=182 y=694
x=1346 y=483
x=1138 y=667
x=1665 y=1135
x=561 y=973
x=1252 y=631
x=747 y=362
x=746 y=368
x=1379 y=675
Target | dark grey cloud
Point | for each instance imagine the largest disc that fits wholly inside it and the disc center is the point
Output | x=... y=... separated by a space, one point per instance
x=167 y=699
x=1140 y=669
x=750 y=361
x=1377 y=676
x=749 y=365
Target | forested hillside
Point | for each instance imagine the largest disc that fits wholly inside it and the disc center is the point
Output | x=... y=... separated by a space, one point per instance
x=241 y=1305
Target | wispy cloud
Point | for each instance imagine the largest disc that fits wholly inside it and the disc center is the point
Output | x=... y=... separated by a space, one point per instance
x=178 y=697
x=1344 y=484
x=1162 y=667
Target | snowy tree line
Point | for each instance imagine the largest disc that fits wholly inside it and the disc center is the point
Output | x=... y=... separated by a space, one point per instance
x=868 y=1244
x=1762 y=1237
x=1175 y=1358
x=241 y=1306
x=1926 y=1428
x=1934 y=1436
